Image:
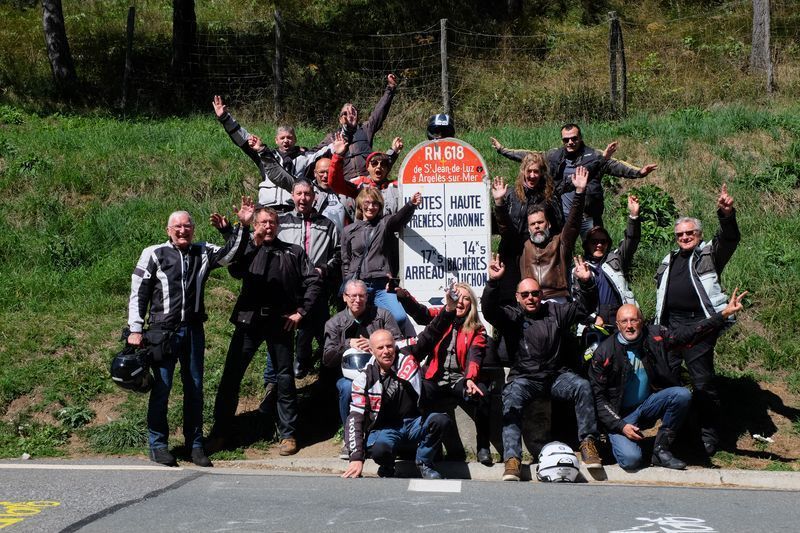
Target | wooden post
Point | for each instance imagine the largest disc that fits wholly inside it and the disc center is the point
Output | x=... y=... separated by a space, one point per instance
x=277 y=67
x=617 y=67
x=126 y=78
x=443 y=53
x=760 y=59
x=612 y=60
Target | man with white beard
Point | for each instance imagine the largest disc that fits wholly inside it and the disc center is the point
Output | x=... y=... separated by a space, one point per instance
x=545 y=257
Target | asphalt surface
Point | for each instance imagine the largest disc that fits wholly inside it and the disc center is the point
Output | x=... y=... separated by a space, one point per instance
x=113 y=499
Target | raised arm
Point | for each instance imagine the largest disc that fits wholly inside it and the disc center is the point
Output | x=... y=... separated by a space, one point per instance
x=727 y=238
x=514 y=155
x=633 y=234
x=398 y=220
x=381 y=111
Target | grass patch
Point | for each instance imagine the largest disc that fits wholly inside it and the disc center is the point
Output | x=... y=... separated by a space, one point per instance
x=122 y=434
x=33 y=438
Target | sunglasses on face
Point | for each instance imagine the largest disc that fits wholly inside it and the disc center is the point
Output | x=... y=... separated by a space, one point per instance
x=679 y=234
x=574 y=139
x=528 y=294
x=376 y=163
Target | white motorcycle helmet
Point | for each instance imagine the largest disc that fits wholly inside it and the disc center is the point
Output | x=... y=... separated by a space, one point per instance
x=353 y=362
x=557 y=463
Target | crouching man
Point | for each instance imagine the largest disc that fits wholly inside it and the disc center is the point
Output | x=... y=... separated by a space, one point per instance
x=385 y=417
x=636 y=383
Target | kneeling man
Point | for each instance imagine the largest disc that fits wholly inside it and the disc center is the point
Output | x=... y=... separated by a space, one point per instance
x=384 y=413
x=636 y=383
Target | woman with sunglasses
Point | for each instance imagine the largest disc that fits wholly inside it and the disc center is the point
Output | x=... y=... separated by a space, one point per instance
x=379 y=166
x=370 y=249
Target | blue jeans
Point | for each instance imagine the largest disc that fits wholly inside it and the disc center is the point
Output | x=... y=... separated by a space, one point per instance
x=671 y=405
x=522 y=391
x=189 y=344
x=424 y=434
x=377 y=295
x=345 y=388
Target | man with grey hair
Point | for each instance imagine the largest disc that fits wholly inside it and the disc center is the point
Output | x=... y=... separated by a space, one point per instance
x=350 y=329
x=167 y=286
x=689 y=291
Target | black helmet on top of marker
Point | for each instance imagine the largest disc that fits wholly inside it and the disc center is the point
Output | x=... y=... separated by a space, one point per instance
x=441 y=126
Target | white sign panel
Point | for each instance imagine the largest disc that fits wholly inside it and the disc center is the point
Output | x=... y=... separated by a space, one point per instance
x=449 y=237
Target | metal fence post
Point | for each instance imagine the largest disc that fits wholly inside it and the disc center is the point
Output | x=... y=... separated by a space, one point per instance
x=277 y=68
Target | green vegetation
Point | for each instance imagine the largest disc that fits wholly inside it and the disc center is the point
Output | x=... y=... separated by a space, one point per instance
x=80 y=197
x=82 y=191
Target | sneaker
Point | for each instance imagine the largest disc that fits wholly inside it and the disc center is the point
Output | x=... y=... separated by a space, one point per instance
x=386 y=471
x=199 y=457
x=344 y=453
x=270 y=398
x=512 y=472
x=288 y=446
x=485 y=457
x=589 y=455
x=428 y=472
x=162 y=456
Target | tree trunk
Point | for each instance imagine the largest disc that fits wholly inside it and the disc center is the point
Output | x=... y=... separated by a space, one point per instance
x=55 y=38
x=759 y=54
x=184 y=26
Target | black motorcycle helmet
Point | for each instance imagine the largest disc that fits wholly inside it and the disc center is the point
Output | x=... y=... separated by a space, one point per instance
x=441 y=126
x=129 y=370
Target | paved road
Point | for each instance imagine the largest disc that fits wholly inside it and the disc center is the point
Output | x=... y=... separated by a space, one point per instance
x=153 y=500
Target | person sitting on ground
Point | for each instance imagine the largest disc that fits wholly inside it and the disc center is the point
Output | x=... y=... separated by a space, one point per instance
x=385 y=414
x=636 y=383
x=454 y=365
x=546 y=257
x=350 y=329
x=611 y=269
x=289 y=157
x=563 y=161
x=359 y=136
x=534 y=331
x=370 y=249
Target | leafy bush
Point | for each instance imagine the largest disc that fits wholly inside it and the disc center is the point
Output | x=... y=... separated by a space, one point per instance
x=657 y=211
x=75 y=416
x=11 y=115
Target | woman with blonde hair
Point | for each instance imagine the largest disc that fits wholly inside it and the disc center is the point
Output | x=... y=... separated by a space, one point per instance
x=370 y=249
x=452 y=375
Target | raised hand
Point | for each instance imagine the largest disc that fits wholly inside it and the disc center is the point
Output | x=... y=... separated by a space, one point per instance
x=417 y=198
x=391 y=81
x=734 y=304
x=339 y=143
x=397 y=144
x=245 y=211
x=496 y=144
x=499 y=190
x=633 y=205
x=218 y=221
x=647 y=169
x=582 y=271
x=580 y=179
x=610 y=150
x=496 y=267
x=254 y=142
x=219 y=106
x=725 y=201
